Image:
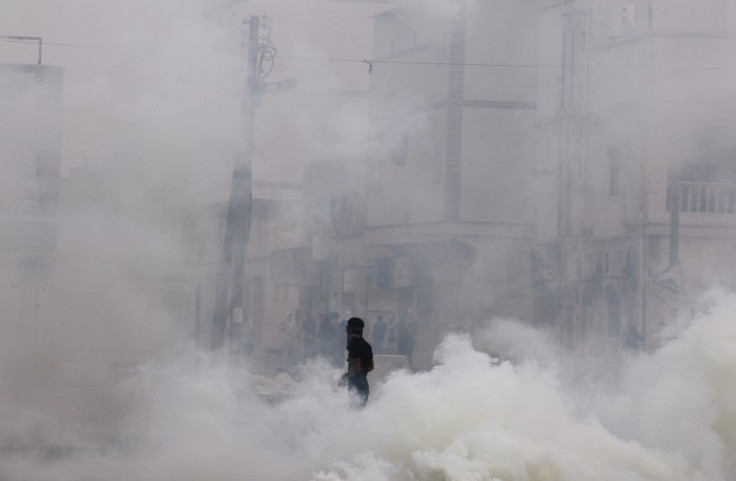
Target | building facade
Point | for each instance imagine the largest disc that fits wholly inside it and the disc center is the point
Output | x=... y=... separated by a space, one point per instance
x=634 y=184
x=438 y=229
x=524 y=162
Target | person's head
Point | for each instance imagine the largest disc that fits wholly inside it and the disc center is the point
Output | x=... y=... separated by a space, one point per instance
x=380 y=318
x=355 y=325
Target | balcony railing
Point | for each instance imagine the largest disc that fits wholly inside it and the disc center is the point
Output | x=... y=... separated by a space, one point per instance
x=706 y=197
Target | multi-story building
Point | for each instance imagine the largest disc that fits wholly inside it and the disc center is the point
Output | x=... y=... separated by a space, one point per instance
x=567 y=129
x=444 y=214
x=635 y=184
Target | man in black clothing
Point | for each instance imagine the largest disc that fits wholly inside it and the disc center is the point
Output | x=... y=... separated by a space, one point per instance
x=360 y=360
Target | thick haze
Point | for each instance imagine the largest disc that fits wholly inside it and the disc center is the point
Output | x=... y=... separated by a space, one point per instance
x=151 y=109
x=667 y=416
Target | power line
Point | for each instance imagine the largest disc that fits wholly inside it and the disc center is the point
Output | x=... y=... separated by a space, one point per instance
x=423 y=63
x=80 y=45
x=497 y=65
x=55 y=44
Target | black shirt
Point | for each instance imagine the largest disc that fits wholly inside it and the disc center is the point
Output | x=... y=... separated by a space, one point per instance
x=358 y=348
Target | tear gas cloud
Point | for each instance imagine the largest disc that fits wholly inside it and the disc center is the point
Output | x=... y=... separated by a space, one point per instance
x=187 y=415
x=151 y=109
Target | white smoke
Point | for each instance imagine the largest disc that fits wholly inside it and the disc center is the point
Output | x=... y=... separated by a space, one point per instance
x=160 y=115
x=191 y=416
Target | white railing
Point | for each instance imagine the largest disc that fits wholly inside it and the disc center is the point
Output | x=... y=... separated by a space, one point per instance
x=706 y=197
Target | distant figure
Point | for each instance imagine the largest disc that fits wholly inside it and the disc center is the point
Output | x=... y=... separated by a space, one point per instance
x=407 y=334
x=360 y=361
x=379 y=333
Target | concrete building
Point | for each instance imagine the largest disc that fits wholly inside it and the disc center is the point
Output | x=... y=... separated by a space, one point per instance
x=443 y=217
x=524 y=163
x=634 y=185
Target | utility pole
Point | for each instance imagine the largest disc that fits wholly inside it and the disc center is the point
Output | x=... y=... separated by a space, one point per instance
x=230 y=283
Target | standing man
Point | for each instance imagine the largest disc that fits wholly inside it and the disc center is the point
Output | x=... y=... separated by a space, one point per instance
x=360 y=361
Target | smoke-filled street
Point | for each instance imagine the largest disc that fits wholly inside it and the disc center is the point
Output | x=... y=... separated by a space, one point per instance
x=664 y=416
x=365 y=240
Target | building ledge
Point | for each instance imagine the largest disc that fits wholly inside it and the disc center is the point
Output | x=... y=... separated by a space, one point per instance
x=441 y=231
x=655 y=34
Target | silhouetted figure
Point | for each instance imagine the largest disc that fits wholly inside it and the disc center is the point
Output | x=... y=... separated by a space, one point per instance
x=360 y=361
x=379 y=334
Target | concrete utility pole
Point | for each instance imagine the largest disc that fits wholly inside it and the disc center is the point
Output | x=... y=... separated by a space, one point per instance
x=229 y=286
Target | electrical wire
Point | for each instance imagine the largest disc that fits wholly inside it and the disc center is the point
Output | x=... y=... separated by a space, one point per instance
x=496 y=65
x=427 y=63
x=55 y=44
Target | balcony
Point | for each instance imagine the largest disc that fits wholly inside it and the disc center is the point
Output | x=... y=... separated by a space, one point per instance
x=706 y=197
